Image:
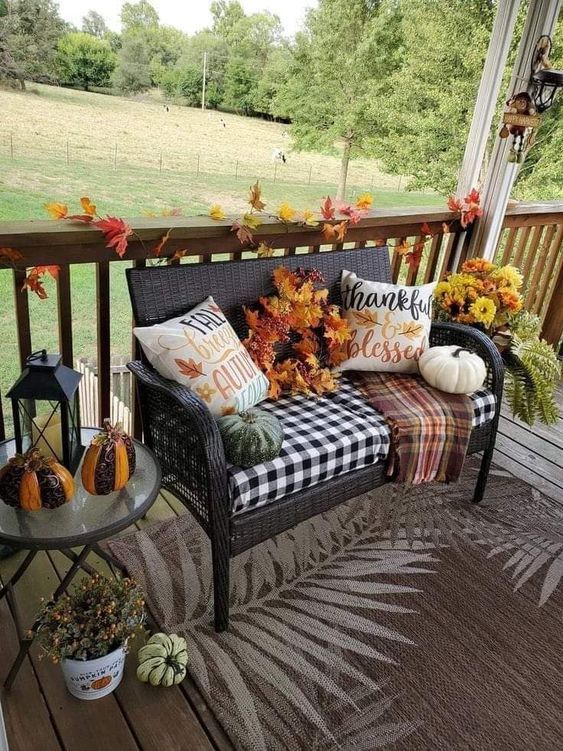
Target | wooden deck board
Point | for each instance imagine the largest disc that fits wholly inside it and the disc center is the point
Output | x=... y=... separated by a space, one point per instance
x=534 y=454
x=137 y=716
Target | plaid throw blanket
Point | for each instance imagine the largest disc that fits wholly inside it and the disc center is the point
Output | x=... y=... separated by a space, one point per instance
x=430 y=429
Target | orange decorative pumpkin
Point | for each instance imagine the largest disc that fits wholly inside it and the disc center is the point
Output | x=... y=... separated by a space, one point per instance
x=33 y=481
x=109 y=461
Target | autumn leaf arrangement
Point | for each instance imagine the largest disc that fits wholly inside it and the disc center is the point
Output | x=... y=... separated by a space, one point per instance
x=333 y=219
x=116 y=231
x=467 y=210
x=298 y=317
x=334 y=216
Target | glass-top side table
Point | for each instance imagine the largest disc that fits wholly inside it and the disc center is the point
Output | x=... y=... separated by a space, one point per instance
x=84 y=521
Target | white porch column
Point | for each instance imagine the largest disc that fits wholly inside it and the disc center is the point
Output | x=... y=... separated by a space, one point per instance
x=541 y=19
x=489 y=88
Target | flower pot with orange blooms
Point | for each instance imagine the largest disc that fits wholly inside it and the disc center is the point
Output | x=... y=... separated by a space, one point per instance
x=87 y=632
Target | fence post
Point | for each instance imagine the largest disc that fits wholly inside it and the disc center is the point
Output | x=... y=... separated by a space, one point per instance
x=310 y=172
x=67 y=152
x=11 y=145
x=115 y=157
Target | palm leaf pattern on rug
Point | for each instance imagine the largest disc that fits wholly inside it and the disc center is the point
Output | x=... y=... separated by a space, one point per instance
x=529 y=537
x=304 y=621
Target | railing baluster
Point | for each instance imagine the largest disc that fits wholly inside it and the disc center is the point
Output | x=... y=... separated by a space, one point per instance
x=396 y=260
x=412 y=273
x=521 y=248
x=22 y=317
x=104 y=332
x=448 y=254
x=136 y=424
x=433 y=257
x=64 y=308
x=532 y=255
x=512 y=235
x=540 y=262
x=553 y=321
x=543 y=297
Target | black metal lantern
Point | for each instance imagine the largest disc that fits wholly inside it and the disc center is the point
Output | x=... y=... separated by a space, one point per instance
x=46 y=410
x=545 y=80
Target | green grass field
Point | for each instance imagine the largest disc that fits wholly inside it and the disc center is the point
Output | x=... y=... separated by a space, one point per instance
x=202 y=163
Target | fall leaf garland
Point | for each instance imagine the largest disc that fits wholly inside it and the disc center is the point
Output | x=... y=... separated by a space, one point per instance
x=334 y=216
x=299 y=316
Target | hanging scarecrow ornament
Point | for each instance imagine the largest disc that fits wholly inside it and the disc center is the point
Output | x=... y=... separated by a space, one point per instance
x=522 y=117
x=519 y=121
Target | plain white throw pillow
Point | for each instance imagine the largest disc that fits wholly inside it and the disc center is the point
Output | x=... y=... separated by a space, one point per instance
x=390 y=324
x=201 y=350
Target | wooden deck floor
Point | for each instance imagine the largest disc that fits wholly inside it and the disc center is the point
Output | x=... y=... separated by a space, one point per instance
x=38 y=711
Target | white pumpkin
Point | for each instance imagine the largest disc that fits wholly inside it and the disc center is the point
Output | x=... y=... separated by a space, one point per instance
x=163 y=659
x=452 y=369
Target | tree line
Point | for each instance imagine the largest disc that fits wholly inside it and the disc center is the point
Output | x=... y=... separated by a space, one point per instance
x=390 y=79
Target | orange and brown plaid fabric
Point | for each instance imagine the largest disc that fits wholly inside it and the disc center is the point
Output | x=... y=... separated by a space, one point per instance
x=430 y=429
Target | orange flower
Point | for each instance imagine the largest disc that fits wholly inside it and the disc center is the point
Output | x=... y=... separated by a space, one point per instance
x=477 y=266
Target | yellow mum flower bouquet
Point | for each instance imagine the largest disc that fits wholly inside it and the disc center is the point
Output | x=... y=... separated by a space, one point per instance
x=481 y=293
x=486 y=295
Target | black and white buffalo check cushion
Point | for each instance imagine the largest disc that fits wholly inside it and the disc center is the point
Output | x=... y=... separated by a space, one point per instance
x=323 y=438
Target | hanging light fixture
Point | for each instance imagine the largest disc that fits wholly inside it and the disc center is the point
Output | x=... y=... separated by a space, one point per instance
x=545 y=81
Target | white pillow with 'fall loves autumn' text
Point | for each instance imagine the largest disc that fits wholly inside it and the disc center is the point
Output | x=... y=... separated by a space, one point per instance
x=390 y=324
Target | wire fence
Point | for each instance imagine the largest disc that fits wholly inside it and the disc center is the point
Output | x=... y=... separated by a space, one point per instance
x=116 y=155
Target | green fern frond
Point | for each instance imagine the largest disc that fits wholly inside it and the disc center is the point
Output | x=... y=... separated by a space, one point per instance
x=532 y=374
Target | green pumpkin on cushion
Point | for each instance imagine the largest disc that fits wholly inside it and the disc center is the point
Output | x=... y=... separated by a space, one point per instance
x=251 y=437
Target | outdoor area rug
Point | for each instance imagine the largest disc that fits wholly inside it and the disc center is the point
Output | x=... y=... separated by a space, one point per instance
x=414 y=621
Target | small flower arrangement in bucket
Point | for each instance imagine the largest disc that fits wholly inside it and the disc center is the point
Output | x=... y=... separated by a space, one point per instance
x=88 y=631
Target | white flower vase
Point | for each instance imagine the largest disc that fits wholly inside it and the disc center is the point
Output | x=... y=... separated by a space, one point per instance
x=92 y=679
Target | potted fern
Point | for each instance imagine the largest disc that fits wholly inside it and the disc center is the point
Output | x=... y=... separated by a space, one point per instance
x=488 y=296
x=88 y=630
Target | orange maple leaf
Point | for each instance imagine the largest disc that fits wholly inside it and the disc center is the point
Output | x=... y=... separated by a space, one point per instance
x=51 y=270
x=255 y=197
x=88 y=206
x=190 y=368
x=10 y=256
x=252 y=318
x=425 y=229
x=243 y=233
x=116 y=231
x=33 y=282
x=57 y=210
x=335 y=231
x=264 y=251
x=161 y=243
x=327 y=209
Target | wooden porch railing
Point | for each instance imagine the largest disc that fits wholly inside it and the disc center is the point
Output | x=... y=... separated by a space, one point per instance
x=533 y=238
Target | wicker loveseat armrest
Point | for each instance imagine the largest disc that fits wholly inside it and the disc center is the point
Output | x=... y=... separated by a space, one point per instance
x=182 y=432
x=478 y=342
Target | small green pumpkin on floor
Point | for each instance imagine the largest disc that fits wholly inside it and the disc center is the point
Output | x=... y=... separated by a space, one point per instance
x=163 y=660
x=251 y=437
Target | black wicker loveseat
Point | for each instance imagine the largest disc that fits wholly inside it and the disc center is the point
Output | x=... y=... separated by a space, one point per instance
x=181 y=431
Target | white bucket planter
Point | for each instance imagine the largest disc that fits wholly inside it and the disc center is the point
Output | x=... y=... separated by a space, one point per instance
x=92 y=679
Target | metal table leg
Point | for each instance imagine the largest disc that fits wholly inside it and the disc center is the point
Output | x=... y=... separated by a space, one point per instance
x=27 y=641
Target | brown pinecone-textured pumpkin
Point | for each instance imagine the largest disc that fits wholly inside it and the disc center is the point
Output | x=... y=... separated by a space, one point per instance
x=33 y=481
x=109 y=461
